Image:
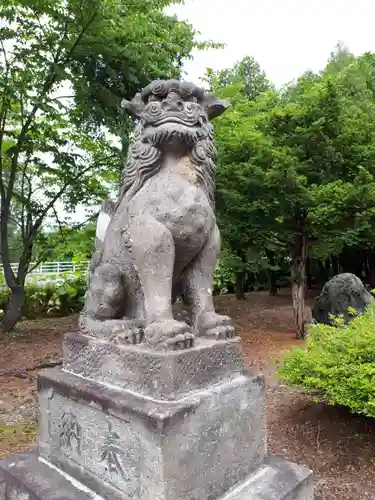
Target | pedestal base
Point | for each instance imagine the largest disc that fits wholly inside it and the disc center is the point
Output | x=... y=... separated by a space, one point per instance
x=201 y=436
x=27 y=477
x=167 y=375
x=275 y=479
x=124 y=445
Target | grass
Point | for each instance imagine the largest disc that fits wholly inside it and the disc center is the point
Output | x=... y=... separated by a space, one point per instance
x=17 y=437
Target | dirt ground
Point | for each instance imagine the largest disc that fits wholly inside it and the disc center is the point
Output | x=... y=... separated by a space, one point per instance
x=339 y=447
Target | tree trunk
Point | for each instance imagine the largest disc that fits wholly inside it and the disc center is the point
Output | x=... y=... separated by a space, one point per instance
x=14 y=310
x=309 y=281
x=371 y=270
x=240 y=282
x=298 y=274
x=335 y=266
x=272 y=284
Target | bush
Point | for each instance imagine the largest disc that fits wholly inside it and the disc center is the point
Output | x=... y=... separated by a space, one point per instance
x=63 y=296
x=224 y=278
x=337 y=363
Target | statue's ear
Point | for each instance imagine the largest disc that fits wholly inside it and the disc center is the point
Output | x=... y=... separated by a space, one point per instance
x=215 y=107
x=134 y=107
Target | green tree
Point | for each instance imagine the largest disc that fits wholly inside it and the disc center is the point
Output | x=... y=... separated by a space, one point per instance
x=52 y=145
x=246 y=75
x=243 y=153
x=340 y=58
x=129 y=43
x=328 y=129
x=296 y=167
x=67 y=242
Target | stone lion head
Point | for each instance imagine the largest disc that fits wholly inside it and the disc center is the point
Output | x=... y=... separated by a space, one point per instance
x=171 y=115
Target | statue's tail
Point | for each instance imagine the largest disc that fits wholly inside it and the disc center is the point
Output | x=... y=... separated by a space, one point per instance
x=105 y=215
x=107 y=210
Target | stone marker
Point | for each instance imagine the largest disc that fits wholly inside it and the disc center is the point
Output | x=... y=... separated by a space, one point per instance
x=147 y=407
x=340 y=293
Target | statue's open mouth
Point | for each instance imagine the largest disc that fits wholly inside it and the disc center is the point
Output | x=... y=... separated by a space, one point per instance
x=178 y=120
x=174 y=131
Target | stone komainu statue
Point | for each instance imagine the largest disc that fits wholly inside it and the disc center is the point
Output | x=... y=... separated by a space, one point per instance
x=160 y=238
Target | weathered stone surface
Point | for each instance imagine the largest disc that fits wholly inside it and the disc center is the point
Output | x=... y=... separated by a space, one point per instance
x=276 y=479
x=161 y=235
x=160 y=374
x=338 y=295
x=26 y=477
x=2 y=487
x=119 y=443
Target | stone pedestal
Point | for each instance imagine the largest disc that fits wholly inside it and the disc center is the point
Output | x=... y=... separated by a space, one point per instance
x=127 y=423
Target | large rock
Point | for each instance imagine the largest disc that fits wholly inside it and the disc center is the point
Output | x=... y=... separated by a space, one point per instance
x=342 y=292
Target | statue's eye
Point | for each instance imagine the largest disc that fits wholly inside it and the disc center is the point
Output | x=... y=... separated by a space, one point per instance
x=189 y=109
x=155 y=108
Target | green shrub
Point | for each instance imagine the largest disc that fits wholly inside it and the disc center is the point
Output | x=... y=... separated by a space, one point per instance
x=337 y=364
x=224 y=278
x=57 y=298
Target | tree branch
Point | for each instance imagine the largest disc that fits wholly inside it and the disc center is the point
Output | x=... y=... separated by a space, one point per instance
x=48 y=83
x=7 y=193
x=58 y=195
x=39 y=260
x=3 y=115
x=28 y=197
x=59 y=223
x=22 y=109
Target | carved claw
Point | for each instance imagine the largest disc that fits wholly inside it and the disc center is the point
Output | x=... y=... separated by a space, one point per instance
x=215 y=326
x=131 y=337
x=170 y=334
x=123 y=331
x=181 y=341
x=221 y=333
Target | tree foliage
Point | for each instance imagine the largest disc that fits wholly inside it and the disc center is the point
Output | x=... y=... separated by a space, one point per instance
x=296 y=169
x=67 y=243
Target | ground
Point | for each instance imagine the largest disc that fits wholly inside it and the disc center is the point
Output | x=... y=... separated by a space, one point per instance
x=339 y=447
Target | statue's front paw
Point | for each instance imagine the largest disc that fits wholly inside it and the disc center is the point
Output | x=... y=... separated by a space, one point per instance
x=132 y=337
x=215 y=326
x=169 y=334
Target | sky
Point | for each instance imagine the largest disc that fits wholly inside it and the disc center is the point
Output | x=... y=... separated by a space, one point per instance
x=286 y=37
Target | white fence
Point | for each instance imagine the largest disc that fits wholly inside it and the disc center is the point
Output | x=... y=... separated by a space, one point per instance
x=47 y=268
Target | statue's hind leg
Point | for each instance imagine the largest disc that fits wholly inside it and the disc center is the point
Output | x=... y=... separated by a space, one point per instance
x=152 y=249
x=106 y=303
x=105 y=296
x=198 y=278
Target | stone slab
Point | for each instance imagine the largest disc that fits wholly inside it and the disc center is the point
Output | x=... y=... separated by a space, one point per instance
x=275 y=479
x=26 y=477
x=123 y=445
x=161 y=375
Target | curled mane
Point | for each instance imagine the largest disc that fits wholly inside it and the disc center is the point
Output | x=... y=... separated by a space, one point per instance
x=145 y=160
x=202 y=157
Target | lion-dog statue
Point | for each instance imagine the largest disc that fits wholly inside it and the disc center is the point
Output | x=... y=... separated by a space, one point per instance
x=160 y=238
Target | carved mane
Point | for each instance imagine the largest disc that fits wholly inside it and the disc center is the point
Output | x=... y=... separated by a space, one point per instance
x=145 y=160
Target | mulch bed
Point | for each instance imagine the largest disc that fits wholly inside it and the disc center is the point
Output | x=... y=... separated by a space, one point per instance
x=338 y=446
